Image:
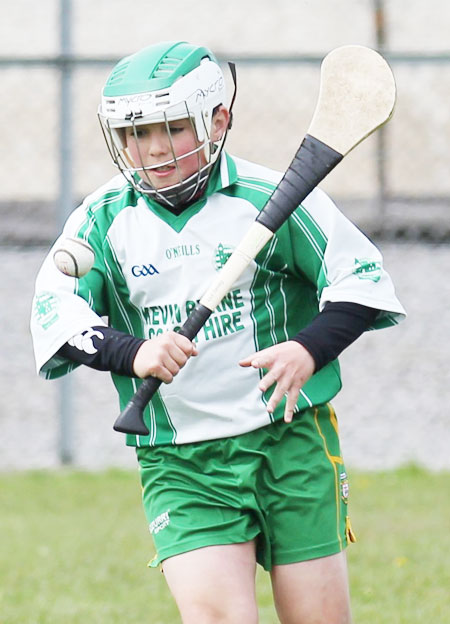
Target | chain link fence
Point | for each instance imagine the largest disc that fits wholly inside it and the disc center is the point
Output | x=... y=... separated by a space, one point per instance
x=394 y=185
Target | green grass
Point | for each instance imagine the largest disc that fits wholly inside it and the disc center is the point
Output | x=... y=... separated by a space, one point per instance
x=73 y=549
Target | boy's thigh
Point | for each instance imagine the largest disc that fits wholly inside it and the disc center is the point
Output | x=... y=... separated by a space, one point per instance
x=213 y=584
x=313 y=591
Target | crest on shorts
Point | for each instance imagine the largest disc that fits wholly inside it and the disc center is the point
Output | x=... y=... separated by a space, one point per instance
x=344 y=487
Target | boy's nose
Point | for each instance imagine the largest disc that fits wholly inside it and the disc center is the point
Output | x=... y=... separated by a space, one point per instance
x=158 y=143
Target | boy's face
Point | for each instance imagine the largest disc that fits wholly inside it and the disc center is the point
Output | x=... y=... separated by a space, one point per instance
x=150 y=145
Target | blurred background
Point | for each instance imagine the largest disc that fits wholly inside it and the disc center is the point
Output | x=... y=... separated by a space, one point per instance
x=55 y=56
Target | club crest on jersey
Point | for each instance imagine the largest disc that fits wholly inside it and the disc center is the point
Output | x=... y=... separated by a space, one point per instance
x=367 y=269
x=344 y=487
x=221 y=255
x=45 y=309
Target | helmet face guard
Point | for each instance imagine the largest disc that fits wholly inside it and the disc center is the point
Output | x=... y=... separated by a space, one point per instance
x=193 y=95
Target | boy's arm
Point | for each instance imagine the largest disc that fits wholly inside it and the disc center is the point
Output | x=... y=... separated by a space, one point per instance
x=103 y=348
x=290 y=365
x=107 y=349
x=335 y=328
x=338 y=260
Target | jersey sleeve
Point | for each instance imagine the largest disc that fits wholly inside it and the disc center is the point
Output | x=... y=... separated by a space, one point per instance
x=342 y=263
x=64 y=306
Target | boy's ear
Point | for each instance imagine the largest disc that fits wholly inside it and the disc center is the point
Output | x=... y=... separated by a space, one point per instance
x=220 y=123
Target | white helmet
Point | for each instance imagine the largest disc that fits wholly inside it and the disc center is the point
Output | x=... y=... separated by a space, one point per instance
x=162 y=83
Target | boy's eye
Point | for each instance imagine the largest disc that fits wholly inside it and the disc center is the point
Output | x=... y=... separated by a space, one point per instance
x=140 y=133
x=133 y=133
x=176 y=129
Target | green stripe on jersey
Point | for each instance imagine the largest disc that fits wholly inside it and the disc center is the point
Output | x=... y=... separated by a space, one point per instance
x=313 y=240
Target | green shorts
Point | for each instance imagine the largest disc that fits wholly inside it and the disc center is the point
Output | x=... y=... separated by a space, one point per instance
x=284 y=485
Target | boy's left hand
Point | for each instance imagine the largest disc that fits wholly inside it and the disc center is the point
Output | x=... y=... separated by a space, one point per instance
x=289 y=365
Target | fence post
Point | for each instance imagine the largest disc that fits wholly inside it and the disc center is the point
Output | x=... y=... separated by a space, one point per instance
x=381 y=194
x=65 y=206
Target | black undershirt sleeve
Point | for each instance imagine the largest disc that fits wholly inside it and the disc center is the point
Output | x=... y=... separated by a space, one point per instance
x=334 y=329
x=103 y=348
x=331 y=331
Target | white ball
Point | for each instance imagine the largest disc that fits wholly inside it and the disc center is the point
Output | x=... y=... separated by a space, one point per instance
x=74 y=257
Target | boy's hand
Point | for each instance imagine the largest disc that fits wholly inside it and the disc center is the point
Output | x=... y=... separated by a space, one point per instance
x=163 y=356
x=290 y=366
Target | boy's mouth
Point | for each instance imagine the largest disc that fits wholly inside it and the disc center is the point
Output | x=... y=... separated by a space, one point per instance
x=164 y=169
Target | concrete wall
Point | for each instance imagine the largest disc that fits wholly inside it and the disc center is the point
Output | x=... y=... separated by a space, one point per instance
x=392 y=409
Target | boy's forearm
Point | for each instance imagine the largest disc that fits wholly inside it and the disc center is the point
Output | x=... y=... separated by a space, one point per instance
x=334 y=329
x=103 y=348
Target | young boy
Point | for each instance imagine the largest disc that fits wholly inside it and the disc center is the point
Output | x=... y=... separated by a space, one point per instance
x=242 y=463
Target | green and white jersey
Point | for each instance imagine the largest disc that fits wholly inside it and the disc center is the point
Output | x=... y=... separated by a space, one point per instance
x=152 y=267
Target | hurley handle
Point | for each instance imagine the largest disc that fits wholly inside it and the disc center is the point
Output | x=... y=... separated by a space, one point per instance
x=131 y=420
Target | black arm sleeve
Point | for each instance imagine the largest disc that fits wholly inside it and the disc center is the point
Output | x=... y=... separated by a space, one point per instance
x=103 y=348
x=335 y=328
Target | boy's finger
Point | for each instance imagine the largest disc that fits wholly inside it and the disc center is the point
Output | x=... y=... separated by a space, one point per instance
x=246 y=361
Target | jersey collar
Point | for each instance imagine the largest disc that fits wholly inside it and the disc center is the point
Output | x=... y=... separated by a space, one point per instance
x=223 y=175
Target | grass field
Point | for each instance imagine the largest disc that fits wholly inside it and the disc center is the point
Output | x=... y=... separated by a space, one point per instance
x=74 y=547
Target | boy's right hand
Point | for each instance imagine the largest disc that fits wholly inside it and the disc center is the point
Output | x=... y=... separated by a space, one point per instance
x=163 y=356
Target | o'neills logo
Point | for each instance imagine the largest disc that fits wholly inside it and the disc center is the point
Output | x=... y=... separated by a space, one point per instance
x=182 y=251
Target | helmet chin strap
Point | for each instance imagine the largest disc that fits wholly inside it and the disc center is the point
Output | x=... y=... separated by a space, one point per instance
x=179 y=196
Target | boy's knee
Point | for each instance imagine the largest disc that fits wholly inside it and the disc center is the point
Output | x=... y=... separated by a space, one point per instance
x=215 y=610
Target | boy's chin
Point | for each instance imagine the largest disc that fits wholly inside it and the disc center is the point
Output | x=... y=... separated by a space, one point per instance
x=160 y=183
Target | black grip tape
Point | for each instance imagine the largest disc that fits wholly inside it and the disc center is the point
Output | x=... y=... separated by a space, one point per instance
x=312 y=162
x=195 y=321
x=145 y=391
